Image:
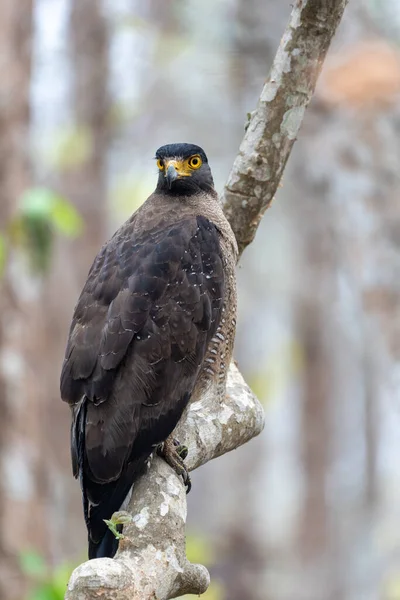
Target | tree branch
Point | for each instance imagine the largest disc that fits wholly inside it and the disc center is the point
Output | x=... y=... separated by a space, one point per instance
x=151 y=563
x=273 y=127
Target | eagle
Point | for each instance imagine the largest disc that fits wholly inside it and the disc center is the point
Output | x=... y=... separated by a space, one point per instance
x=152 y=330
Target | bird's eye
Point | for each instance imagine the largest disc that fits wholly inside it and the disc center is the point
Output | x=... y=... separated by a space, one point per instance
x=194 y=162
x=160 y=164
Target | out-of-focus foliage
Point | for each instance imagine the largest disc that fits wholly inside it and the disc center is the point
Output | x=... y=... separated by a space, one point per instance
x=71 y=147
x=42 y=214
x=3 y=253
x=47 y=583
x=50 y=583
x=200 y=550
x=294 y=513
x=270 y=380
x=392 y=588
x=129 y=192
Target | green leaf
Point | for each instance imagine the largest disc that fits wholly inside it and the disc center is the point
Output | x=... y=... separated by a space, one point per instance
x=66 y=218
x=37 y=203
x=32 y=564
x=46 y=205
x=42 y=214
x=3 y=254
x=38 y=242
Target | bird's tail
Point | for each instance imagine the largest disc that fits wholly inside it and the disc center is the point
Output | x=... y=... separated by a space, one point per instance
x=115 y=496
x=107 y=547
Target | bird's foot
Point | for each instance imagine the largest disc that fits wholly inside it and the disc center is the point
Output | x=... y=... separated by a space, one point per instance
x=174 y=454
x=181 y=449
x=116 y=522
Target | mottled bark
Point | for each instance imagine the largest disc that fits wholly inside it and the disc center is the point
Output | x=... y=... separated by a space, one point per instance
x=275 y=123
x=155 y=565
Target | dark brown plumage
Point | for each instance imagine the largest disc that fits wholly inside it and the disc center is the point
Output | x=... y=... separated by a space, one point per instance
x=145 y=333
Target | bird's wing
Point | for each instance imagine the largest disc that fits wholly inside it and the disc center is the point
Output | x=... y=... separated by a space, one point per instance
x=138 y=337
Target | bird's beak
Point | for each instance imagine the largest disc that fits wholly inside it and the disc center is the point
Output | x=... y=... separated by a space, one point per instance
x=171 y=174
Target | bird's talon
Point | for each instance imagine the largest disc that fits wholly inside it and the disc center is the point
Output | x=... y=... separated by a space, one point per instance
x=182 y=451
x=187 y=481
x=174 y=454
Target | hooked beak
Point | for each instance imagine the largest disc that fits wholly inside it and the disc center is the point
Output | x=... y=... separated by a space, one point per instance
x=171 y=174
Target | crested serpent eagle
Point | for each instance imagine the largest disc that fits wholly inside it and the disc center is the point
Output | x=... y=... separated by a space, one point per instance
x=153 y=328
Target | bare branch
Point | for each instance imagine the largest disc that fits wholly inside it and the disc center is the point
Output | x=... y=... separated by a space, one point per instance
x=151 y=563
x=274 y=125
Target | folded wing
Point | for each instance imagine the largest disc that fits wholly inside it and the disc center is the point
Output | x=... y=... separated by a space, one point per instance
x=140 y=331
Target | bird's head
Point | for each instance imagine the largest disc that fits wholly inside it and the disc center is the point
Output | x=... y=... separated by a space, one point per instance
x=183 y=170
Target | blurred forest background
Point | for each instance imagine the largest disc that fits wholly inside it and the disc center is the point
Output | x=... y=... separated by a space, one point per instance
x=88 y=91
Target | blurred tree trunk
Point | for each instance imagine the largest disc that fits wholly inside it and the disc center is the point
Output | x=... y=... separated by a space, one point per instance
x=241 y=544
x=343 y=217
x=314 y=432
x=84 y=184
x=18 y=431
x=345 y=166
x=320 y=342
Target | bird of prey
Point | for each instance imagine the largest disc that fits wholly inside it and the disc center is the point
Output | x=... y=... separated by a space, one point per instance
x=153 y=328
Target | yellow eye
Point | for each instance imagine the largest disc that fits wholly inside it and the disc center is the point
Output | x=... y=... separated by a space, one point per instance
x=195 y=162
x=160 y=164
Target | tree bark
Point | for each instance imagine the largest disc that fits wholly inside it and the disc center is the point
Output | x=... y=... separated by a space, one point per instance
x=155 y=565
x=273 y=127
x=151 y=561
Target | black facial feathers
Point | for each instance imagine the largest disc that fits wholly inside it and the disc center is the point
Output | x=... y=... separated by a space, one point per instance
x=185 y=182
x=181 y=150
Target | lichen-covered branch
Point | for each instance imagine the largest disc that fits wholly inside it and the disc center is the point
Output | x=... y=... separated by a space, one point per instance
x=275 y=123
x=151 y=562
